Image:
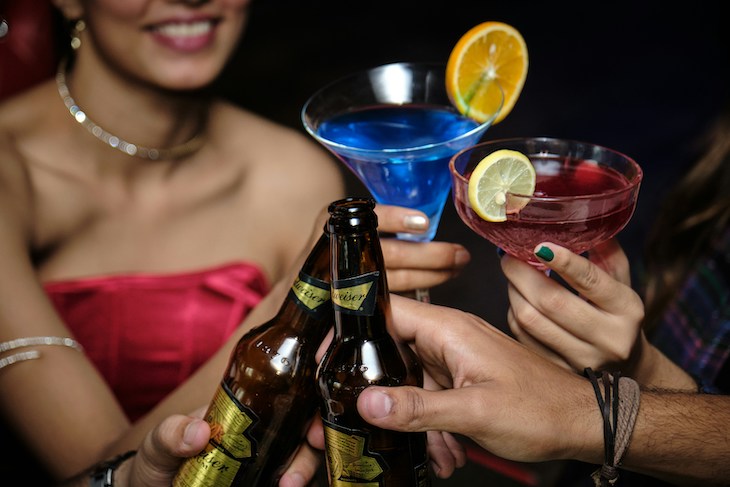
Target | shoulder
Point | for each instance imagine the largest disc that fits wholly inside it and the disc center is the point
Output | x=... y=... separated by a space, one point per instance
x=288 y=180
x=30 y=118
x=25 y=110
x=24 y=123
x=15 y=186
x=274 y=151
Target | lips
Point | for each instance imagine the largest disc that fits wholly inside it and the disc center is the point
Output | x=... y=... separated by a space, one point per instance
x=185 y=36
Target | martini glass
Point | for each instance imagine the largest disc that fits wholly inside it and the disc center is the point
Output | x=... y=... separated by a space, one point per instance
x=394 y=127
x=584 y=195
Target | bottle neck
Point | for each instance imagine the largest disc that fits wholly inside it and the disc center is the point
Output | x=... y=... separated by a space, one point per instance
x=308 y=303
x=359 y=287
x=310 y=296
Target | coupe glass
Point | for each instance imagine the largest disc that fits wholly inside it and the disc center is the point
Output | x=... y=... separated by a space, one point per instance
x=394 y=127
x=584 y=195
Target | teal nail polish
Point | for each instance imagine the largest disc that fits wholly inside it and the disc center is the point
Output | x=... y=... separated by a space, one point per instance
x=545 y=254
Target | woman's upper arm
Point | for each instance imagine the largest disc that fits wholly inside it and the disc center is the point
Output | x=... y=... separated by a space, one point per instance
x=58 y=396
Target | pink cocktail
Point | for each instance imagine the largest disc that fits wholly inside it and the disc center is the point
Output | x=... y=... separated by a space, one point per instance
x=584 y=195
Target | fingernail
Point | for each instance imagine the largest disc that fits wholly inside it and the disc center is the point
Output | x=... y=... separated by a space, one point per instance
x=462 y=256
x=500 y=252
x=191 y=432
x=379 y=404
x=545 y=253
x=294 y=479
x=415 y=222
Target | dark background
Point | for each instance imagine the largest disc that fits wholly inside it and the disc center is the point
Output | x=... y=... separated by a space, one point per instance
x=641 y=77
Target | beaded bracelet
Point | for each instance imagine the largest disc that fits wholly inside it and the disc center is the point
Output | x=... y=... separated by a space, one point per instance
x=619 y=407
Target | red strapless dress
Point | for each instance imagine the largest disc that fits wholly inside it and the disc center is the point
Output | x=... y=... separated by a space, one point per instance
x=146 y=333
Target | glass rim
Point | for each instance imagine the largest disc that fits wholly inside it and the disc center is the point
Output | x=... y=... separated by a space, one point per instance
x=336 y=145
x=634 y=182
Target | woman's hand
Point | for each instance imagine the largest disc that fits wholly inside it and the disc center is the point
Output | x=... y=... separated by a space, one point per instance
x=599 y=327
x=416 y=265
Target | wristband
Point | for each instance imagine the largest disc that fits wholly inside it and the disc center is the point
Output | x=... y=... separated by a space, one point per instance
x=619 y=416
x=103 y=475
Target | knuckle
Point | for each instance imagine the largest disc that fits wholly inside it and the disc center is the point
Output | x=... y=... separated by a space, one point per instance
x=526 y=316
x=589 y=276
x=636 y=310
x=406 y=280
x=554 y=300
x=619 y=352
x=619 y=349
x=393 y=253
x=411 y=410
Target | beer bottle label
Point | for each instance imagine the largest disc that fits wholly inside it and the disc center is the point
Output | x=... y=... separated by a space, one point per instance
x=230 y=446
x=349 y=460
x=422 y=477
x=356 y=295
x=311 y=294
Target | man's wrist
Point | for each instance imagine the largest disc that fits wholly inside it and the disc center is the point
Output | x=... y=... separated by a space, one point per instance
x=583 y=424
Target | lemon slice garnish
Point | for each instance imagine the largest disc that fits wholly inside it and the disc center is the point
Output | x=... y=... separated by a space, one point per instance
x=497 y=183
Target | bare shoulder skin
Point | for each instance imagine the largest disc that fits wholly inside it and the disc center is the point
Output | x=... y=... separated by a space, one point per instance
x=290 y=178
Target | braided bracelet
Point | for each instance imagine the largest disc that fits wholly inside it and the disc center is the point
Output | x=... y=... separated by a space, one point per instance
x=619 y=407
x=33 y=354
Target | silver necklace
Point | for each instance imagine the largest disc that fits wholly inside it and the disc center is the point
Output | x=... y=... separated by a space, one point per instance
x=112 y=140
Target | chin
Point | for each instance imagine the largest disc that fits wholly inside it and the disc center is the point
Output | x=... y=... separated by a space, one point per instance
x=188 y=84
x=191 y=78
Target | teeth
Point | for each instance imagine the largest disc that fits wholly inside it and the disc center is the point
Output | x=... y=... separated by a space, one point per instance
x=186 y=29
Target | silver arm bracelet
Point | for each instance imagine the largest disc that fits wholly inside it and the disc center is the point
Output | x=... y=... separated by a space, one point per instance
x=31 y=341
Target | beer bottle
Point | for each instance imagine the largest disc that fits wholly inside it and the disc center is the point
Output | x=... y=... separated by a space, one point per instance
x=268 y=395
x=362 y=354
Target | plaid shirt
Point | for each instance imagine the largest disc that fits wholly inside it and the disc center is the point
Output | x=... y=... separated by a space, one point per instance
x=695 y=330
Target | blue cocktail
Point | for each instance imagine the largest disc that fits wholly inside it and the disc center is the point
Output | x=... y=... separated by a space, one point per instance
x=383 y=135
x=396 y=129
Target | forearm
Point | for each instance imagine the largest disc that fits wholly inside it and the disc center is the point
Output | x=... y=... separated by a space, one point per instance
x=61 y=391
x=682 y=437
x=655 y=370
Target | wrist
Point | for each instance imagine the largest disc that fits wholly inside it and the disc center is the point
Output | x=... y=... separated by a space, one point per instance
x=579 y=433
x=657 y=371
x=114 y=472
x=618 y=400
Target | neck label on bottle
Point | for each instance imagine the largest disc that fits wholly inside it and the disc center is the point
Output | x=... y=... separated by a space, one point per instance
x=356 y=295
x=349 y=459
x=311 y=293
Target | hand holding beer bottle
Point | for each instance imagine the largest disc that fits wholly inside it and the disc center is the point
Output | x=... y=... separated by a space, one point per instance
x=267 y=397
x=362 y=354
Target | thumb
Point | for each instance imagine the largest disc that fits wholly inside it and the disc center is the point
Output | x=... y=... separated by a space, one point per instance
x=176 y=437
x=415 y=409
x=163 y=449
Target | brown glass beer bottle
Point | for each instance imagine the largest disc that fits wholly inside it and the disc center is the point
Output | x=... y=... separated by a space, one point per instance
x=268 y=395
x=364 y=354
